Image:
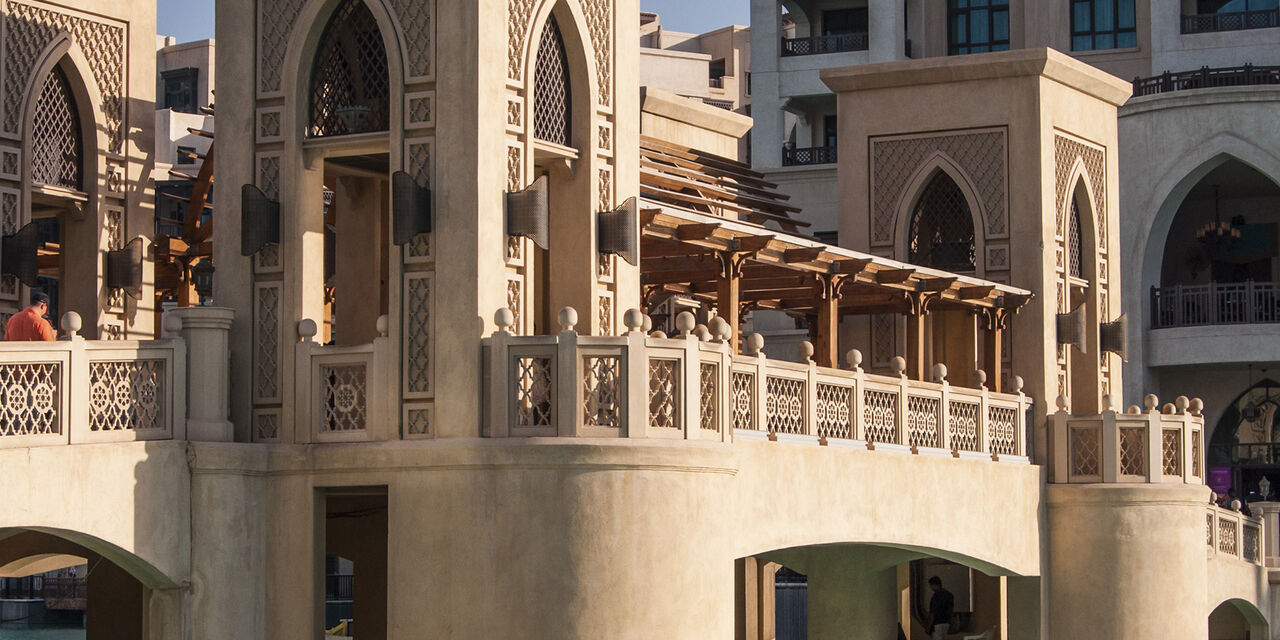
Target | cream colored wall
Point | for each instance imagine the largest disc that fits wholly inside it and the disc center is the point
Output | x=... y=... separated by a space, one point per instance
x=1042 y=93
x=83 y=287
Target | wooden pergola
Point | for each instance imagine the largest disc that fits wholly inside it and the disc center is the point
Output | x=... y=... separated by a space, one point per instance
x=703 y=236
x=175 y=256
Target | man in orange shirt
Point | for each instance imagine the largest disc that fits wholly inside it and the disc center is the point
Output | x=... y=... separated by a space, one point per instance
x=30 y=325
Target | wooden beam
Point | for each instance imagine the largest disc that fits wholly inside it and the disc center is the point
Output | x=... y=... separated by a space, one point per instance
x=894 y=276
x=975 y=292
x=936 y=284
x=801 y=254
x=696 y=231
x=851 y=266
x=752 y=243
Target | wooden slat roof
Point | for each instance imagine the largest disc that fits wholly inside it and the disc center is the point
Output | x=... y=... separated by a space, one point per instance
x=678 y=250
x=700 y=181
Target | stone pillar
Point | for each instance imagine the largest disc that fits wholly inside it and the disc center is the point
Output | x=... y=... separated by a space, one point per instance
x=1270 y=512
x=1126 y=561
x=206 y=331
x=1022 y=608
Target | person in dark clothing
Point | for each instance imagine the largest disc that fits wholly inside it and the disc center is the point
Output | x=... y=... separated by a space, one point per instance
x=940 y=608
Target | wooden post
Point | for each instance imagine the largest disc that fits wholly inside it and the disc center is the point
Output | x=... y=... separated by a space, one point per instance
x=827 y=343
x=729 y=292
x=993 y=326
x=917 y=367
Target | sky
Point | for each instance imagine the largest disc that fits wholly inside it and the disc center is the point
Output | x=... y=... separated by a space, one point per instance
x=189 y=20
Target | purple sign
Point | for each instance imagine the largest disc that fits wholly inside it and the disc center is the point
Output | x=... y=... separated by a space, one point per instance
x=1220 y=479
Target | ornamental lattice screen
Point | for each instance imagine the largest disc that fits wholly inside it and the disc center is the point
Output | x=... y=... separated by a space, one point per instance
x=350 y=84
x=552 y=97
x=941 y=233
x=57 y=150
x=1073 y=241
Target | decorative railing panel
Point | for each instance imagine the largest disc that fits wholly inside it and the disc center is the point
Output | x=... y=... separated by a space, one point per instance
x=344 y=398
x=693 y=387
x=31 y=394
x=75 y=390
x=601 y=392
x=814 y=45
x=1206 y=78
x=1227 y=542
x=804 y=156
x=664 y=393
x=1215 y=304
x=1229 y=21
x=784 y=405
x=126 y=395
x=1232 y=534
x=1154 y=445
x=834 y=411
x=1251 y=543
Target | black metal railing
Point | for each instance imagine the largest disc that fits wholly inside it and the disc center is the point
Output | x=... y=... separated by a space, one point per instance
x=1235 y=21
x=715 y=82
x=339 y=586
x=798 y=157
x=1215 y=303
x=814 y=45
x=1258 y=453
x=1206 y=78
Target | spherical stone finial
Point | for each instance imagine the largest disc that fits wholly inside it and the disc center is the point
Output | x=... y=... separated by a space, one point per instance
x=504 y=318
x=805 y=350
x=1017 y=384
x=703 y=333
x=1134 y=409
x=72 y=323
x=979 y=378
x=685 y=322
x=853 y=359
x=1182 y=402
x=307 y=329
x=898 y=364
x=755 y=344
x=1108 y=403
x=661 y=335
x=1062 y=402
x=384 y=325
x=1196 y=406
x=720 y=329
x=1168 y=408
x=172 y=323
x=939 y=372
x=648 y=324
x=633 y=319
x=1150 y=401
x=568 y=318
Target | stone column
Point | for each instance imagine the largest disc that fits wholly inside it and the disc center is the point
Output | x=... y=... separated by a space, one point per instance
x=206 y=331
x=1126 y=561
x=1270 y=512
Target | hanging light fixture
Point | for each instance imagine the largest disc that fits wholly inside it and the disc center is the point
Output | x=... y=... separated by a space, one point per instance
x=1213 y=233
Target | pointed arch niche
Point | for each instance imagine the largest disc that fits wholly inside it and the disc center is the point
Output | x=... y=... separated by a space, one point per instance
x=1078 y=265
x=350 y=81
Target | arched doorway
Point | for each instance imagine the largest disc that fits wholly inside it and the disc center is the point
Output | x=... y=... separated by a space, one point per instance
x=74 y=590
x=1220 y=264
x=1246 y=440
x=1237 y=620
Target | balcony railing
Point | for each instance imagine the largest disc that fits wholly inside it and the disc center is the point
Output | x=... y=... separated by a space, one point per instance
x=1214 y=304
x=814 y=45
x=692 y=387
x=1206 y=78
x=1233 y=534
x=75 y=390
x=1235 y=21
x=1158 y=444
x=793 y=157
x=715 y=82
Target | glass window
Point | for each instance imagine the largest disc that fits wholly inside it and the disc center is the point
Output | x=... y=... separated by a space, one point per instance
x=1103 y=24
x=180 y=89
x=829 y=129
x=839 y=22
x=977 y=26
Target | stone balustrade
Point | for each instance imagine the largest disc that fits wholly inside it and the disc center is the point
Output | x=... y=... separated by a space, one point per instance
x=1158 y=444
x=342 y=393
x=76 y=391
x=693 y=387
x=1234 y=535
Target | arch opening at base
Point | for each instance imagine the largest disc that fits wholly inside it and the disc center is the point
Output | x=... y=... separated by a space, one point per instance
x=1237 y=620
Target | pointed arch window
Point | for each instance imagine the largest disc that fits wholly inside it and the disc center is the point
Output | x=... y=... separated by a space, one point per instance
x=941 y=233
x=552 y=96
x=57 y=153
x=1074 y=245
x=350 y=84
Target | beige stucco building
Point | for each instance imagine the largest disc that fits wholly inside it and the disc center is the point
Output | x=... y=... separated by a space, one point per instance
x=432 y=401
